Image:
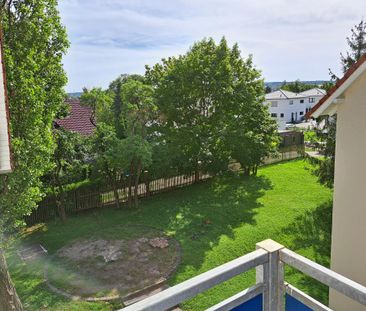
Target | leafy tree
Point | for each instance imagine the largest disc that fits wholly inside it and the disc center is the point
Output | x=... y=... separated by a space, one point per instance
x=268 y=89
x=100 y=102
x=70 y=155
x=109 y=164
x=119 y=144
x=138 y=114
x=117 y=107
x=324 y=168
x=115 y=89
x=34 y=43
x=327 y=86
x=357 y=46
x=204 y=99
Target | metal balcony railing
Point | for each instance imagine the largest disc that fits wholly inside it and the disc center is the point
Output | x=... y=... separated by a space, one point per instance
x=269 y=259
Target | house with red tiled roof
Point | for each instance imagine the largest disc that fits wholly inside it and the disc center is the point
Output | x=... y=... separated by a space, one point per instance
x=79 y=120
x=348 y=255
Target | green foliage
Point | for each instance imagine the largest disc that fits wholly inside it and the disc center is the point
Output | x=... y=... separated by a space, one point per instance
x=69 y=160
x=297 y=86
x=69 y=156
x=324 y=168
x=210 y=108
x=311 y=136
x=133 y=149
x=115 y=89
x=34 y=43
x=104 y=138
x=139 y=107
x=100 y=101
x=328 y=85
x=357 y=46
x=119 y=145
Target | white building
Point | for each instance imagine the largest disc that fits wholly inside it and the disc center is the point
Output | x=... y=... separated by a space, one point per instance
x=289 y=107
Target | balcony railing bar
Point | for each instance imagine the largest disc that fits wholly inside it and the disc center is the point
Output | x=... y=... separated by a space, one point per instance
x=190 y=288
x=324 y=275
x=268 y=259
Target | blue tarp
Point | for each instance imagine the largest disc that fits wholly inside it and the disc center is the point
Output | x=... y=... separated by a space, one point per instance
x=294 y=305
x=255 y=304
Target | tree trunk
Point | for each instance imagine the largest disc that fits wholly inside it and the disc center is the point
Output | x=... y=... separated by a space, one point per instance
x=255 y=170
x=130 y=185
x=9 y=300
x=116 y=195
x=59 y=194
x=147 y=184
x=136 y=189
x=196 y=175
x=60 y=209
x=246 y=170
x=59 y=199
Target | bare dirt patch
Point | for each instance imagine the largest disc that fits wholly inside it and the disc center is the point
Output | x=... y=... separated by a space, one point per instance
x=104 y=266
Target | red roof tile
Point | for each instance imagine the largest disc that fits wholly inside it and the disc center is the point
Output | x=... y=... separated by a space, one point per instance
x=79 y=119
x=337 y=85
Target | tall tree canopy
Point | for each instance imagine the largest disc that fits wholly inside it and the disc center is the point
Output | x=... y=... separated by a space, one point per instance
x=210 y=106
x=34 y=43
x=357 y=46
x=120 y=144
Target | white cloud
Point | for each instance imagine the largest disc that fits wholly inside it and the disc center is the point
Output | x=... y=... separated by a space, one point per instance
x=289 y=39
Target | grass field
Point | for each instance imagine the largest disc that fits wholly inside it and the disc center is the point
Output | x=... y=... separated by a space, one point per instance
x=215 y=221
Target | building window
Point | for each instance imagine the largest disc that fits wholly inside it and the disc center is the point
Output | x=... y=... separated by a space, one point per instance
x=291 y=102
x=311 y=100
x=301 y=113
x=282 y=115
x=274 y=115
x=301 y=101
x=274 y=104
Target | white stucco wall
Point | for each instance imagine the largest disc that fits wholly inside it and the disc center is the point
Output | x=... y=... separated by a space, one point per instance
x=348 y=255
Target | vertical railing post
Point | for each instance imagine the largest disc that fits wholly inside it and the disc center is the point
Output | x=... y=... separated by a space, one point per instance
x=271 y=275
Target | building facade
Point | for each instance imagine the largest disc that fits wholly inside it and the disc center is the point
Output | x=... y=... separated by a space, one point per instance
x=289 y=107
x=348 y=255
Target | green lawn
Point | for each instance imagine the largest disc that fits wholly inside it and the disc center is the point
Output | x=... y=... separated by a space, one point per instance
x=214 y=221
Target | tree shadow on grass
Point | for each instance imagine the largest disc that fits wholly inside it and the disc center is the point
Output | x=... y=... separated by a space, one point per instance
x=312 y=232
x=204 y=213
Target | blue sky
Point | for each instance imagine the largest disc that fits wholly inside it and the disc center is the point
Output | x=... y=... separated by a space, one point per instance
x=289 y=39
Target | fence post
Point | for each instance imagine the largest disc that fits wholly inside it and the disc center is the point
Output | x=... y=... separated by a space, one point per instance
x=271 y=275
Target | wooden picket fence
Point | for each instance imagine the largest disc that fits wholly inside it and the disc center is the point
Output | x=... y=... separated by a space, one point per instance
x=99 y=196
x=93 y=197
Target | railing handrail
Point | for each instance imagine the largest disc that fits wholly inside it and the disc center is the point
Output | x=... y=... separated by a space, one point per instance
x=269 y=260
x=324 y=275
x=190 y=288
